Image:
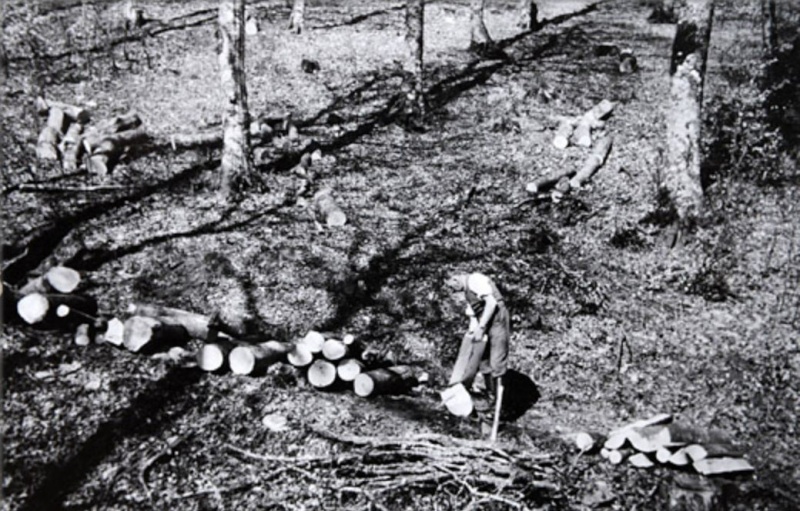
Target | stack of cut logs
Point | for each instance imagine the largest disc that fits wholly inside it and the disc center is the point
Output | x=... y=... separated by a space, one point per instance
x=579 y=131
x=659 y=441
x=49 y=301
x=67 y=137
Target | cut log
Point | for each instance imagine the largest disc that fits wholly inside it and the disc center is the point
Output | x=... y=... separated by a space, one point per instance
x=641 y=460
x=300 y=355
x=457 y=400
x=197 y=325
x=592 y=164
x=115 y=332
x=663 y=455
x=74 y=113
x=104 y=156
x=564 y=131
x=588 y=121
x=322 y=374
x=82 y=337
x=314 y=341
x=47 y=145
x=148 y=334
x=94 y=136
x=605 y=453
x=680 y=433
x=348 y=339
x=60 y=279
x=349 y=368
x=391 y=380
x=327 y=209
x=679 y=458
x=662 y=418
x=334 y=350
x=649 y=439
x=71 y=146
x=588 y=442
x=697 y=452
x=42 y=309
x=615 y=456
x=551 y=180
x=255 y=359
x=213 y=356
x=717 y=466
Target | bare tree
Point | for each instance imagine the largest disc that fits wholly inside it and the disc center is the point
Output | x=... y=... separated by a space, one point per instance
x=684 y=113
x=297 y=17
x=479 y=36
x=236 y=164
x=528 y=15
x=413 y=85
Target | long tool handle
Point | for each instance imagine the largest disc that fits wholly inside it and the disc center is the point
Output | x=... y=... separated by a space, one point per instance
x=497 y=406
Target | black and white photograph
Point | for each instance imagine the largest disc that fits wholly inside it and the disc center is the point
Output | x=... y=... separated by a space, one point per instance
x=389 y=255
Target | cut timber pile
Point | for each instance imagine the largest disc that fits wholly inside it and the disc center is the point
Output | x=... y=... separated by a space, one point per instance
x=148 y=334
x=572 y=179
x=579 y=129
x=391 y=380
x=659 y=441
x=255 y=359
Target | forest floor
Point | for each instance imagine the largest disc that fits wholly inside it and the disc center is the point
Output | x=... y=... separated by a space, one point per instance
x=610 y=325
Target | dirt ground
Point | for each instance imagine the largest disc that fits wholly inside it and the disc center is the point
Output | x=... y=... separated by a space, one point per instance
x=610 y=325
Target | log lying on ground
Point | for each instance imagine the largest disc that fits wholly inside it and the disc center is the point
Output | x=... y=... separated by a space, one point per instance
x=60 y=279
x=592 y=164
x=697 y=452
x=105 y=155
x=82 y=337
x=74 y=113
x=641 y=460
x=255 y=359
x=94 y=136
x=198 y=325
x=71 y=146
x=590 y=120
x=47 y=145
x=391 y=380
x=327 y=209
x=300 y=356
x=717 y=466
x=679 y=458
x=589 y=441
x=322 y=374
x=314 y=341
x=616 y=456
x=348 y=369
x=334 y=350
x=148 y=334
x=566 y=125
x=618 y=437
x=213 y=356
x=680 y=433
x=549 y=181
x=43 y=309
x=115 y=332
x=649 y=439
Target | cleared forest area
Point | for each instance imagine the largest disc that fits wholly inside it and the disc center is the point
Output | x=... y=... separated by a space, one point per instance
x=351 y=226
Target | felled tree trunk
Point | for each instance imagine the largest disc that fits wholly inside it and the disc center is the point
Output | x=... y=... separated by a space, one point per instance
x=148 y=334
x=71 y=147
x=300 y=356
x=74 y=113
x=528 y=15
x=297 y=17
x=684 y=114
x=391 y=380
x=589 y=121
x=479 y=36
x=327 y=209
x=43 y=309
x=59 y=279
x=314 y=341
x=236 y=161
x=592 y=163
x=334 y=350
x=697 y=452
x=198 y=325
x=413 y=84
x=256 y=359
x=95 y=135
x=213 y=356
x=105 y=155
x=322 y=374
x=348 y=369
x=564 y=131
x=589 y=441
x=47 y=145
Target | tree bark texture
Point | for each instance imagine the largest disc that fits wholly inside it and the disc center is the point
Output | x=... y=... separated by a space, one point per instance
x=479 y=36
x=528 y=15
x=297 y=18
x=236 y=164
x=684 y=113
x=413 y=85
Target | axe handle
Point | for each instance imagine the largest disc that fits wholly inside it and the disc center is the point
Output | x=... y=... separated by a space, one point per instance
x=497 y=406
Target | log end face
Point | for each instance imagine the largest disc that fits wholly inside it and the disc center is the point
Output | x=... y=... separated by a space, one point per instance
x=242 y=361
x=363 y=385
x=210 y=358
x=33 y=308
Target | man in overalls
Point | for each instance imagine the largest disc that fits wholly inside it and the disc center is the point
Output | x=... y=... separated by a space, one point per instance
x=488 y=316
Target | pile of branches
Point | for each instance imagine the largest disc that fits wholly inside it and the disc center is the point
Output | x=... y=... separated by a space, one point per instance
x=375 y=467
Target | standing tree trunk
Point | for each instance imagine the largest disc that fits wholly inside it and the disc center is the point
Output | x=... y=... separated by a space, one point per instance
x=769 y=28
x=413 y=85
x=236 y=163
x=479 y=36
x=684 y=113
x=297 y=17
x=528 y=15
